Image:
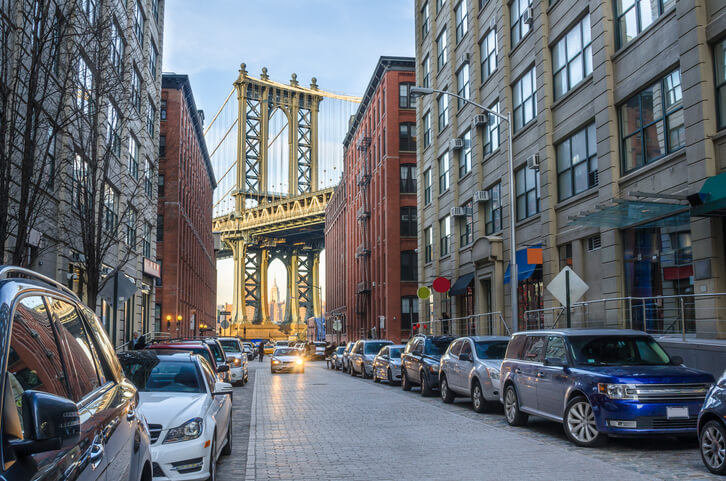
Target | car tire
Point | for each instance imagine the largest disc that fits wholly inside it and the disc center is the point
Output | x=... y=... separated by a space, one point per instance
x=446 y=394
x=512 y=414
x=227 y=449
x=389 y=376
x=363 y=373
x=478 y=402
x=580 y=425
x=712 y=439
x=351 y=371
x=426 y=389
x=405 y=383
x=375 y=377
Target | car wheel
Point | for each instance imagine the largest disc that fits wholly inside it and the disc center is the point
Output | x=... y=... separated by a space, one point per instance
x=351 y=371
x=580 y=425
x=405 y=384
x=446 y=394
x=478 y=402
x=425 y=386
x=363 y=373
x=712 y=440
x=375 y=377
x=212 y=464
x=389 y=376
x=227 y=449
x=512 y=414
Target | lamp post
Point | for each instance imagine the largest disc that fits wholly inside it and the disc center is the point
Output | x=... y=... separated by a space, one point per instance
x=178 y=323
x=513 y=277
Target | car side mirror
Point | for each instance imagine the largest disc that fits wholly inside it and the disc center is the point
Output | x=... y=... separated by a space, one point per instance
x=223 y=368
x=222 y=388
x=465 y=356
x=676 y=360
x=50 y=422
x=554 y=362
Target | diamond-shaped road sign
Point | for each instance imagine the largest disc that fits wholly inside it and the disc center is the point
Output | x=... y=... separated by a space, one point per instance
x=558 y=286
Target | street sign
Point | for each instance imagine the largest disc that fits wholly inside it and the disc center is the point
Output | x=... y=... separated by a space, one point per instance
x=567 y=287
x=337 y=325
x=225 y=324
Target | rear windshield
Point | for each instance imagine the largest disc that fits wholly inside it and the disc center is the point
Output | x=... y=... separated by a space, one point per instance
x=166 y=376
x=374 y=347
x=617 y=351
x=230 y=345
x=491 y=349
x=205 y=354
x=396 y=353
x=436 y=347
x=218 y=354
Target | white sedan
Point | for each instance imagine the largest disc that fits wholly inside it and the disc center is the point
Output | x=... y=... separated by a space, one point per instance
x=188 y=411
x=236 y=358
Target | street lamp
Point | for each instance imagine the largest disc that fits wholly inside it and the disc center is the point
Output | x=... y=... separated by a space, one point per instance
x=417 y=91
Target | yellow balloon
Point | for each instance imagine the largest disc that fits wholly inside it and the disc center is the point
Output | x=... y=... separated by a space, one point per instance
x=423 y=292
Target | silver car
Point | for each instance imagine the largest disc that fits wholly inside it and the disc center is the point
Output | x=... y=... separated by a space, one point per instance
x=361 y=356
x=470 y=367
x=336 y=358
x=346 y=356
x=387 y=364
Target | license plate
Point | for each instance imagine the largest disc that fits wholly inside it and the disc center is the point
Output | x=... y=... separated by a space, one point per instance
x=676 y=412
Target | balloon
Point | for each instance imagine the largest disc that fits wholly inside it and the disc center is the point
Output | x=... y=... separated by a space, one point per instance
x=423 y=292
x=442 y=284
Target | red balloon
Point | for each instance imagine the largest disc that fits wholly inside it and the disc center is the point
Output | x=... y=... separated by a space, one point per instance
x=426 y=326
x=441 y=284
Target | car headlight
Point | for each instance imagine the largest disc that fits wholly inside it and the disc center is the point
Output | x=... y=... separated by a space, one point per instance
x=618 y=391
x=493 y=373
x=237 y=361
x=433 y=367
x=275 y=361
x=299 y=361
x=191 y=429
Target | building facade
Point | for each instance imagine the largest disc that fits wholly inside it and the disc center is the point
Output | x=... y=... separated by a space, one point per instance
x=336 y=268
x=380 y=215
x=616 y=121
x=186 y=298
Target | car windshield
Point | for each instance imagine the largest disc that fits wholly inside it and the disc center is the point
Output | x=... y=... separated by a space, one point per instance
x=374 y=347
x=167 y=376
x=340 y=349
x=230 y=345
x=491 y=349
x=205 y=354
x=320 y=344
x=396 y=353
x=617 y=351
x=286 y=352
x=436 y=347
x=282 y=343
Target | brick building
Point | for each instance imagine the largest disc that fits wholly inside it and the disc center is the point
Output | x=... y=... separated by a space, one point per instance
x=379 y=187
x=336 y=268
x=185 y=247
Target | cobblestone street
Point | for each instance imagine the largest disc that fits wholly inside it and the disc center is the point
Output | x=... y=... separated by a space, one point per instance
x=325 y=425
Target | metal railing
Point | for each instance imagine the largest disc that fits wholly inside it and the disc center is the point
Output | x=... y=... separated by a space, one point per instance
x=486 y=324
x=148 y=337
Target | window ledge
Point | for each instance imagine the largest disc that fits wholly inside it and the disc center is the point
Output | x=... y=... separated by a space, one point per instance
x=524 y=129
x=466 y=247
x=529 y=220
x=441 y=131
x=521 y=40
x=642 y=35
x=491 y=75
x=441 y=69
x=552 y=5
x=445 y=192
x=719 y=135
x=444 y=257
x=468 y=174
x=492 y=154
x=660 y=163
x=577 y=198
x=573 y=91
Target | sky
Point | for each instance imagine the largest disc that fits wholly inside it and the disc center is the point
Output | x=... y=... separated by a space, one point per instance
x=336 y=41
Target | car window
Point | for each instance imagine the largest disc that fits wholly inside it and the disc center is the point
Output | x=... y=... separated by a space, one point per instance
x=456 y=348
x=217 y=352
x=106 y=352
x=556 y=348
x=617 y=351
x=34 y=361
x=286 y=351
x=466 y=348
x=396 y=353
x=417 y=345
x=230 y=345
x=437 y=347
x=533 y=348
x=514 y=350
x=84 y=372
x=490 y=349
x=166 y=376
x=208 y=371
x=374 y=347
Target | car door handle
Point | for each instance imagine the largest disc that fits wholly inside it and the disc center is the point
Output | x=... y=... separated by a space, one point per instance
x=517 y=371
x=96 y=454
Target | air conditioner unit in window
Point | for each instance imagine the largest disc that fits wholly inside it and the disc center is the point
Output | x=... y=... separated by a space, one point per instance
x=528 y=16
x=533 y=162
x=466 y=58
x=458 y=211
x=480 y=120
x=481 y=196
x=455 y=144
x=592 y=178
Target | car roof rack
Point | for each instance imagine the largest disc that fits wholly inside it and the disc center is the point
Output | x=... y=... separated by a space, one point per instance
x=6 y=270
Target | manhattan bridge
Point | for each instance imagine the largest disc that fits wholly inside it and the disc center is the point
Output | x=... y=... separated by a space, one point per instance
x=277 y=152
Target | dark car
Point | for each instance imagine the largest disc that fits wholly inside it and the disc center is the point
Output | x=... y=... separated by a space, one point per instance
x=197 y=347
x=345 y=363
x=600 y=382
x=712 y=428
x=220 y=358
x=57 y=364
x=420 y=362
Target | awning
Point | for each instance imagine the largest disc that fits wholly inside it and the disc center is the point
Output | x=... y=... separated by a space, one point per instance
x=622 y=213
x=711 y=200
x=461 y=284
x=527 y=261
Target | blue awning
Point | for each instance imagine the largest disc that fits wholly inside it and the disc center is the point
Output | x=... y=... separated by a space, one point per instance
x=524 y=270
x=461 y=284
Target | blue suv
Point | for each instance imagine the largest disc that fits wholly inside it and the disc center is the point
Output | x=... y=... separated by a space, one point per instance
x=600 y=383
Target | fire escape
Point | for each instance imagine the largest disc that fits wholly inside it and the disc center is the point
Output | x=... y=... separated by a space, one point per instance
x=363 y=251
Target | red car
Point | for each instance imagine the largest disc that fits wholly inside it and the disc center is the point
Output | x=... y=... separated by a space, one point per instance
x=197 y=347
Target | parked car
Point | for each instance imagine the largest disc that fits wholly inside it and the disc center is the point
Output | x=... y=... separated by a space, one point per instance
x=317 y=350
x=286 y=359
x=362 y=354
x=236 y=358
x=387 y=364
x=250 y=350
x=601 y=382
x=197 y=347
x=345 y=360
x=470 y=367
x=712 y=428
x=219 y=357
x=420 y=362
x=188 y=410
x=58 y=363
x=336 y=358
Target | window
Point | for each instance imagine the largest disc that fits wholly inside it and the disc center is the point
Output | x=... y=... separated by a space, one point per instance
x=148 y=177
x=428 y=181
x=405 y=101
x=533 y=348
x=488 y=49
x=159 y=228
x=160 y=185
x=89 y=8
x=465 y=155
x=445 y=234
x=409 y=266
x=634 y=16
x=443 y=104
x=131 y=227
x=556 y=348
x=462 y=83
x=153 y=55
x=409 y=227
x=491 y=131
x=493 y=210
x=84 y=96
x=426 y=67
x=527 y=183
x=139 y=23
x=720 y=66
x=150 y=118
x=428 y=244
x=427 y=129
x=133 y=166
x=113 y=129
x=162 y=145
x=162 y=113
x=425 y=20
x=408 y=178
x=525 y=99
x=441 y=53
x=444 y=173
x=110 y=208
x=572 y=57
x=466 y=225
x=136 y=89
x=517 y=11
x=409 y=312
x=565 y=253
x=408 y=137
x=117 y=49
x=462 y=20
x=439 y=5
x=651 y=122
x=577 y=163
x=146 y=240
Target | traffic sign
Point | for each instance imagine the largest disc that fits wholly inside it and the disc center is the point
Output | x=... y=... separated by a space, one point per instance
x=337 y=325
x=225 y=324
x=567 y=287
